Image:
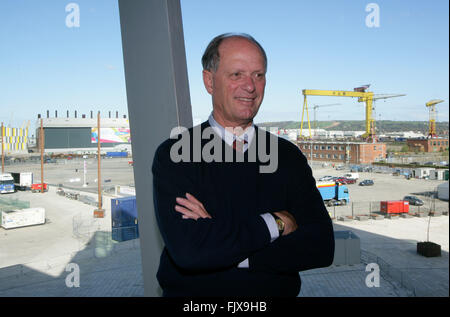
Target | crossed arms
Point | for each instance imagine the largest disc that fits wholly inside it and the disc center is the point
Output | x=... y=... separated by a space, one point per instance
x=198 y=241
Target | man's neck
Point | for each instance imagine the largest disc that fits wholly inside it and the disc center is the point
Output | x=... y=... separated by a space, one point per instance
x=236 y=128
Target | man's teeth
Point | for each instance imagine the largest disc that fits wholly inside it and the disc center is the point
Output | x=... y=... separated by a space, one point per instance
x=246 y=99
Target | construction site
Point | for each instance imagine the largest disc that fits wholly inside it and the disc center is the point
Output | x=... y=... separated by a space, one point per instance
x=71 y=172
x=76 y=189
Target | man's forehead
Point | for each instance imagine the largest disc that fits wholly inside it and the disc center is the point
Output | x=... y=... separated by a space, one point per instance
x=236 y=42
x=237 y=45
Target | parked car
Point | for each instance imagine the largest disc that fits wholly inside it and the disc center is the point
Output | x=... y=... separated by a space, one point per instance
x=349 y=180
x=413 y=200
x=366 y=182
x=344 y=180
x=326 y=178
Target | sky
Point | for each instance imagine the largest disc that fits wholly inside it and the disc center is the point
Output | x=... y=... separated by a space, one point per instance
x=323 y=44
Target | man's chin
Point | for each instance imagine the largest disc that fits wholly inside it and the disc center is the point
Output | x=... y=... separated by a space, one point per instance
x=247 y=114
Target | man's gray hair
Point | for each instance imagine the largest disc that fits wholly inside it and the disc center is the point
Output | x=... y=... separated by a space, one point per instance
x=211 y=58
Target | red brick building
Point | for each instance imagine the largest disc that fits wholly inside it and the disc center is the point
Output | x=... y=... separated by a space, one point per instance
x=428 y=145
x=343 y=152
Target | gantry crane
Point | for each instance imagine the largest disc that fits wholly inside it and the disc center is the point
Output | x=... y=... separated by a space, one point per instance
x=432 y=121
x=315 y=110
x=363 y=96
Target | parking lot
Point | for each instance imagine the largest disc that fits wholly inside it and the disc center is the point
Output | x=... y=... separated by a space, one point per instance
x=71 y=228
x=366 y=199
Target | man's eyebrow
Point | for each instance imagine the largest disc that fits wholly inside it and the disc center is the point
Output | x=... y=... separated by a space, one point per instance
x=239 y=70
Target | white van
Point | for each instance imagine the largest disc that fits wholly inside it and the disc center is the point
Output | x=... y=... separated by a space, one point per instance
x=354 y=176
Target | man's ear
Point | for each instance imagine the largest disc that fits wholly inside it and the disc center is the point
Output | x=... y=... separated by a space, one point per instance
x=208 y=81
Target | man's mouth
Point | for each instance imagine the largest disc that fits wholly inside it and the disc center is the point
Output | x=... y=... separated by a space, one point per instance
x=245 y=99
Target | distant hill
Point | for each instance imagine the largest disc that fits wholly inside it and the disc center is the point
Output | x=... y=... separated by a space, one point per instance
x=359 y=125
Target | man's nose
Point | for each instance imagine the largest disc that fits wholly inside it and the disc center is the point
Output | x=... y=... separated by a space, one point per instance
x=249 y=84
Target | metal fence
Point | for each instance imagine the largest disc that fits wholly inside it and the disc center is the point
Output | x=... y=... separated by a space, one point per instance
x=84 y=227
x=389 y=272
x=373 y=209
x=7 y=203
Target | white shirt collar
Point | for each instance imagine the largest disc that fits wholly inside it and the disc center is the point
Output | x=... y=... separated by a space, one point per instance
x=229 y=137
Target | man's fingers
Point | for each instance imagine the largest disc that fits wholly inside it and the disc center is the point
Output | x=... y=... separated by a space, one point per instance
x=194 y=207
x=188 y=204
x=187 y=214
x=193 y=199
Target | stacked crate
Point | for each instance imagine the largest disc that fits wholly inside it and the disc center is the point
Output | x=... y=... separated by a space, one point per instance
x=124 y=219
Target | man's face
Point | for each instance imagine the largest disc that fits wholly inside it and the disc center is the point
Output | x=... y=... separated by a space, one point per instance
x=237 y=87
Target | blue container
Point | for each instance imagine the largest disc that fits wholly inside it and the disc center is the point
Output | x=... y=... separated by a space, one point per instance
x=124 y=219
x=117 y=154
x=125 y=233
x=124 y=209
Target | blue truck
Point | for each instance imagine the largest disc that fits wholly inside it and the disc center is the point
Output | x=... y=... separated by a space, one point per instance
x=333 y=194
x=6 y=183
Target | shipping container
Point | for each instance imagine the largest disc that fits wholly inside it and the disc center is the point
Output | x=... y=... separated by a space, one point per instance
x=394 y=206
x=124 y=220
x=125 y=233
x=437 y=174
x=116 y=154
x=423 y=172
x=23 y=180
x=22 y=217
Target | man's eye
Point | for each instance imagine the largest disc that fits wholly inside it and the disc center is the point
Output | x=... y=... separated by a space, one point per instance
x=235 y=75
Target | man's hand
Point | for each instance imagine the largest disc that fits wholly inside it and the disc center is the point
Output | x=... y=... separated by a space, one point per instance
x=290 y=225
x=191 y=208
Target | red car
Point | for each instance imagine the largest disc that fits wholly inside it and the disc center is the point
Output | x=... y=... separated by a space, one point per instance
x=345 y=180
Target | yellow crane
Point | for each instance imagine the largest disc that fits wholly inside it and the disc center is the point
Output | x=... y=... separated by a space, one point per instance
x=360 y=93
x=432 y=120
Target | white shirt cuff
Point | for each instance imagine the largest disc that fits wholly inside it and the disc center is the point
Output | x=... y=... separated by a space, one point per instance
x=244 y=264
x=271 y=225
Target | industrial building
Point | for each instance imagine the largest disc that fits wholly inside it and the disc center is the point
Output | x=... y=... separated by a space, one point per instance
x=80 y=135
x=428 y=145
x=343 y=152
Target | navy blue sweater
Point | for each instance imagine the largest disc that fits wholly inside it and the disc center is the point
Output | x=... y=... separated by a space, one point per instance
x=200 y=258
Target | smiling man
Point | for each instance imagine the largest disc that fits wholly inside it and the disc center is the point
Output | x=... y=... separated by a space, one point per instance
x=237 y=86
x=228 y=228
